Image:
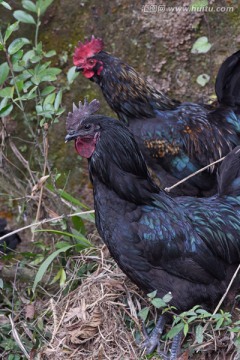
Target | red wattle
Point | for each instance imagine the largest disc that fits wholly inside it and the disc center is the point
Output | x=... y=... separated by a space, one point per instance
x=85 y=146
x=88 y=73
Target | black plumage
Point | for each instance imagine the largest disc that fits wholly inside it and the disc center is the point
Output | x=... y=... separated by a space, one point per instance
x=176 y=138
x=187 y=246
x=9 y=243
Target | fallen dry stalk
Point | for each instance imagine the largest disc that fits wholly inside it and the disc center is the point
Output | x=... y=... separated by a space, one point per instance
x=220 y=302
x=168 y=189
x=45 y=150
x=17 y=338
x=46 y=221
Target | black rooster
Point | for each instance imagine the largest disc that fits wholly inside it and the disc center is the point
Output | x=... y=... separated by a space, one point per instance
x=9 y=243
x=187 y=246
x=175 y=138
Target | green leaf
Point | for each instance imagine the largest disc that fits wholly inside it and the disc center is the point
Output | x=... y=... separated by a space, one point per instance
x=29 y=95
x=152 y=294
x=36 y=80
x=10 y=29
x=17 y=56
x=58 y=100
x=56 y=277
x=17 y=44
x=192 y=318
x=219 y=323
x=42 y=5
x=40 y=68
x=17 y=67
x=61 y=244
x=47 y=90
x=42 y=122
x=167 y=298
x=203 y=79
x=50 y=53
x=4 y=101
x=45 y=75
x=196 y=5
x=71 y=199
x=185 y=329
x=72 y=75
x=143 y=313
x=199 y=334
x=50 y=72
x=26 y=74
x=19 y=85
x=4 y=71
x=158 y=303
x=204 y=313
x=7 y=92
x=237 y=343
x=29 y=5
x=235 y=329
x=5 y=111
x=201 y=46
x=35 y=59
x=44 y=266
x=24 y=17
x=6 y=5
x=28 y=55
x=237 y=322
x=82 y=240
x=45 y=114
x=175 y=330
x=49 y=107
x=49 y=99
x=39 y=49
x=78 y=224
x=63 y=277
x=40 y=324
x=39 y=259
x=59 y=112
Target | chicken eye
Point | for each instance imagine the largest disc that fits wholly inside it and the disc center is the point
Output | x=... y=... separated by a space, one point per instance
x=87 y=127
x=91 y=61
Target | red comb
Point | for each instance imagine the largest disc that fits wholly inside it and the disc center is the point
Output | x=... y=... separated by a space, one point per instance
x=86 y=50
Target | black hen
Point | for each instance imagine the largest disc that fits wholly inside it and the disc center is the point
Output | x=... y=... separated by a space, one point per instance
x=187 y=246
x=175 y=138
x=9 y=243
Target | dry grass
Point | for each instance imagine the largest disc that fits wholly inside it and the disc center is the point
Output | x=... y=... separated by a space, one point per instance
x=89 y=323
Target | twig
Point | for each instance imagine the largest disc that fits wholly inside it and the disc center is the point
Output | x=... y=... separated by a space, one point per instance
x=227 y=290
x=17 y=338
x=168 y=189
x=46 y=221
x=57 y=326
x=23 y=161
x=45 y=150
x=221 y=300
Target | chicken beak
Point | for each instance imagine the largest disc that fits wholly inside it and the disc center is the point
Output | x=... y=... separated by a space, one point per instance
x=78 y=69
x=69 y=137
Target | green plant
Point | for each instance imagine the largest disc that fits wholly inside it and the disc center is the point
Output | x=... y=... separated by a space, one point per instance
x=195 y=321
x=27 y=74
x=31 y=96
